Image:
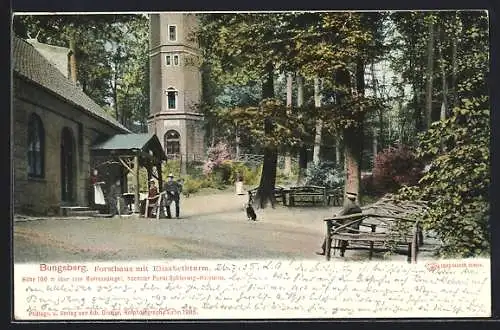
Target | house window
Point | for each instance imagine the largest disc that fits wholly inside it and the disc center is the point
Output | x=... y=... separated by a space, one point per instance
x=168 y=60
x=176 y=59
x=36 y=147
x=172 y=142
x=171 y=99
x=172 y=33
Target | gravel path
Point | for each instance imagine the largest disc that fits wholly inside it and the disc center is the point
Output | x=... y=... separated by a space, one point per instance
x=210 y=227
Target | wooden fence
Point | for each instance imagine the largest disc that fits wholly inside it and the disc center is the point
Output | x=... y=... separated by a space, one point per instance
x=252 y=160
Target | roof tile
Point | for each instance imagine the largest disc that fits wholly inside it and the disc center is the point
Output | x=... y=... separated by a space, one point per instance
x=29 y=63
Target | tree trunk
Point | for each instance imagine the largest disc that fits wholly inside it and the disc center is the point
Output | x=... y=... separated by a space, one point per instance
x=237 y=145
x=430 y=74
x=352 y=151
x=136 y=184
x=353 y=141
x=287 y=171
x=375 y=130
x=265 y=192
x=454 y=64
x=303 y=147
x=319 y=122
x=338 y=160
x=418 y=116
x=72 y=59
x=444 y=91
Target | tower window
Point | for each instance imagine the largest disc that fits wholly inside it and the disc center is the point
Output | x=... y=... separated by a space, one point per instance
x=172 y=33
x=171 y=98
x=168 y=60
x=172 y=142
x=176 y=59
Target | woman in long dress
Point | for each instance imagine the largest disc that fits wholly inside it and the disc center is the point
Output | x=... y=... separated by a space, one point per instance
x=98 y=193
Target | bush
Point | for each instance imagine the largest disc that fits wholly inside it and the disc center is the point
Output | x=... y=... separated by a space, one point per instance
x=216 y=156
x=171 y=166
x=396 y=167
x=456 y=187
x=192 y=185
x=325 y=174
x=366 y=186
x=223 y=172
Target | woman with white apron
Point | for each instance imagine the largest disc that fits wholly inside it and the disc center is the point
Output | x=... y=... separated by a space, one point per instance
x=98 y=193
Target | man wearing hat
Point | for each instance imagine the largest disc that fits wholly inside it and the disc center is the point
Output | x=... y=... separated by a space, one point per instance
x=173 y=191
x=350 y=207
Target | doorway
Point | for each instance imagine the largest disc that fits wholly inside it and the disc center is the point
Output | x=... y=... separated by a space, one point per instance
x=68 y=164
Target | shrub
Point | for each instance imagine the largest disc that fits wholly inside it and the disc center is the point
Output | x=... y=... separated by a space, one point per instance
x=171 y=166
x=192 y=185
x=215 y=157
x=195 y=169
x=325 y=174
x=223 y=172
x=396 y=167
x=456 y=187
x=366 y=186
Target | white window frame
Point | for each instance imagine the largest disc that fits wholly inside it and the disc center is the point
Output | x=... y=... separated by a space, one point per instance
x=176 y=56
x=168 y=32
x=168 y=60
x=176 y=98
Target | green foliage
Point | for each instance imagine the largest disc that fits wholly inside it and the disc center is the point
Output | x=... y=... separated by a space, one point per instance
x=111 y=54
x=456 y=185
x=171 y=166
x=237 y=48
x=325 y=174
x=227 y=173
x=192 y=185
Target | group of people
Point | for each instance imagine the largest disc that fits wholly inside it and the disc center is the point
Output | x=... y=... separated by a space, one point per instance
x=172 y=190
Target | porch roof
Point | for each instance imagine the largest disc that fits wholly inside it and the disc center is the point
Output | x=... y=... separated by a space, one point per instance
x=126 y=144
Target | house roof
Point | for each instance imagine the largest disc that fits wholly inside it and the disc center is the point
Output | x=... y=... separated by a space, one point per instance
x=57 y=56
x=29 y=63
x=122 y=142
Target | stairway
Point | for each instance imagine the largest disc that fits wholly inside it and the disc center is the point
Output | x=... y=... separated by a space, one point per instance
x=77 y=211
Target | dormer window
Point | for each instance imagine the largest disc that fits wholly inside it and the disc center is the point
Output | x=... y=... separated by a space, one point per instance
x=172 y=33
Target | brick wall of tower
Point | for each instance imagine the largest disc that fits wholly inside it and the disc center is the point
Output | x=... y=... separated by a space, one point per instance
x=185 y=78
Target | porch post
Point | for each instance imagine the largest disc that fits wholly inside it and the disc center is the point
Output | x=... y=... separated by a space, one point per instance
x=136 y=183
x=150 y=175
x=160 y=178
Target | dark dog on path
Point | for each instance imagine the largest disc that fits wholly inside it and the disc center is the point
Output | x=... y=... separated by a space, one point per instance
x=250 y=212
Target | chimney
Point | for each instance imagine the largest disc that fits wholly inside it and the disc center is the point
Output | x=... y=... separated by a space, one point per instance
x=72 y=61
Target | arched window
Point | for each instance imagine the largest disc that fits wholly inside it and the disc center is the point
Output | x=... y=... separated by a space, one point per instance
x=36 y=147
x=172 y=98
x=172 y=142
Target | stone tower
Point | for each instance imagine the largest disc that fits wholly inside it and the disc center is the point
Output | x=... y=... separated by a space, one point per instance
x=175 y=86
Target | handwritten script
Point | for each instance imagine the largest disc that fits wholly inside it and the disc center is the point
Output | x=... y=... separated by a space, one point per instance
x=251 y=289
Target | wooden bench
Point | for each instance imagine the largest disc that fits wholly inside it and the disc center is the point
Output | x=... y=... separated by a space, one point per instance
x=279 y=194
x=335 y=196
x=379 y=225
x=307 y=195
